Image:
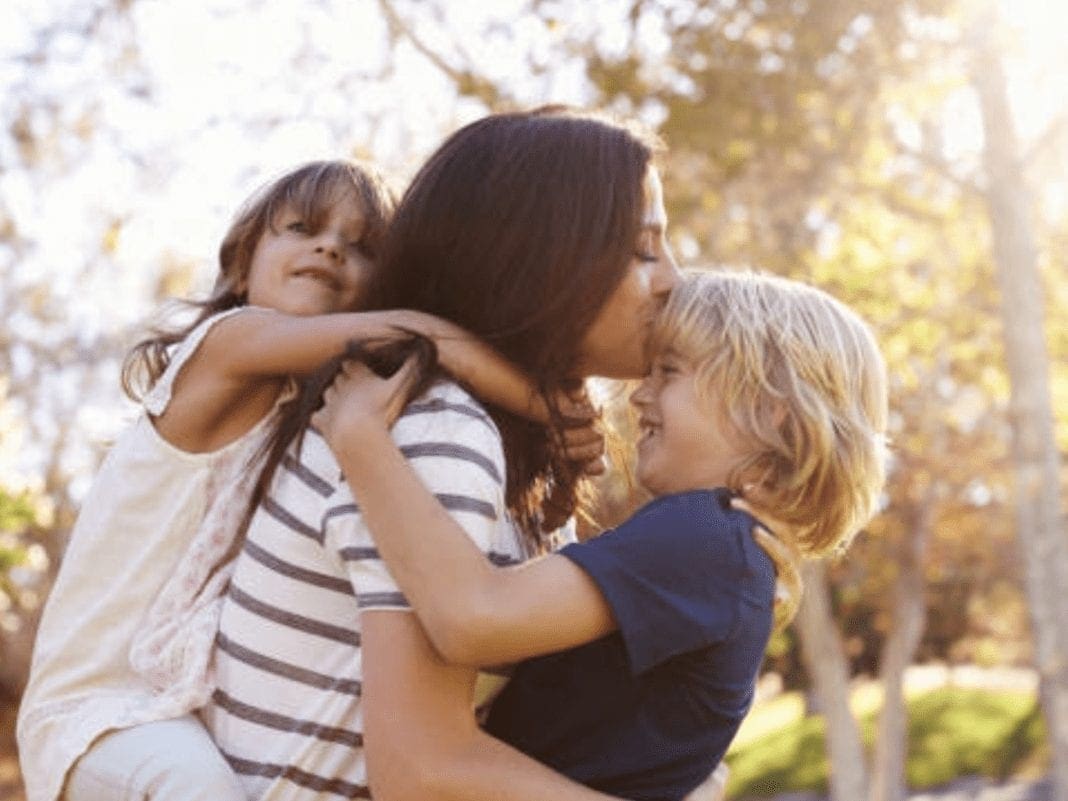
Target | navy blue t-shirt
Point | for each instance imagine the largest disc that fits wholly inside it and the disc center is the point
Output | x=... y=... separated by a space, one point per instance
x=647 y=712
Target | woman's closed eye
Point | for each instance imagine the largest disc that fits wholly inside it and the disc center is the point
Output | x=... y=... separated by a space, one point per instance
x=648 y=247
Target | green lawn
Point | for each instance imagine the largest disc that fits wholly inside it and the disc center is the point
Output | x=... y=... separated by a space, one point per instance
x=952 y=732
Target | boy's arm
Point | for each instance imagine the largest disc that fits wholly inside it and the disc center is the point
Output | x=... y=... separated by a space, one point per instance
x=473 y=612
x=421 y=737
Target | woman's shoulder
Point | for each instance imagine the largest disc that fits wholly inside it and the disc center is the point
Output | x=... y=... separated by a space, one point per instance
x=447 y=405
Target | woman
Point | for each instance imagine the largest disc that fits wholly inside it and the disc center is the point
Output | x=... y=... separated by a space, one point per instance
x=543 y=233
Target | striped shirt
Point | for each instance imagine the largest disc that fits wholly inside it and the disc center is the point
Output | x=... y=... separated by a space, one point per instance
x=287 y=711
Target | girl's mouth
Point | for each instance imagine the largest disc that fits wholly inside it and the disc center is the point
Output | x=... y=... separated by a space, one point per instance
x=319 y=275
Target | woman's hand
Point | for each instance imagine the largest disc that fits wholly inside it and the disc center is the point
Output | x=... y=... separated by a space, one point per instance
x=779 y=540
x=358 y=400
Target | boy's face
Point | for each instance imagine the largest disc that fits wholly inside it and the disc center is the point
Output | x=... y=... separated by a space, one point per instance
x=686 y=441
x=304 y=271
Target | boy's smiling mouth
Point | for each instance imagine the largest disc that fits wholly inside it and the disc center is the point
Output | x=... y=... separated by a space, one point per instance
x=647 y=428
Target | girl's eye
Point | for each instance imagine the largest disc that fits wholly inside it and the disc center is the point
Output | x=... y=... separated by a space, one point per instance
x=297 y=226
x=646 y=256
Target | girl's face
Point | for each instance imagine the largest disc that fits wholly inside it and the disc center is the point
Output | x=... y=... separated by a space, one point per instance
x=615 y=344
x=300 y=270
x=686 y=441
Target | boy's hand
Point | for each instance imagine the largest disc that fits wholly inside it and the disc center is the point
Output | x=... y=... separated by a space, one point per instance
x=358 y=400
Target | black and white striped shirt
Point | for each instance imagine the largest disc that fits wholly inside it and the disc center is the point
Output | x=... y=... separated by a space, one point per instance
x=287 y=710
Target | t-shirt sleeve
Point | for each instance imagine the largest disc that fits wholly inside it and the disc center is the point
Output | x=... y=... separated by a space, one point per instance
x=456 y=451
x=669 y=574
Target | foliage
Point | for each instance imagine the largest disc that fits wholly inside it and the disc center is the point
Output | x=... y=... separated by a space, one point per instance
x=18 y=513
x=953 y=732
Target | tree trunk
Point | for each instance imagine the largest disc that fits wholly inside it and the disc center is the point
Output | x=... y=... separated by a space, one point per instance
x=1040 y=528
x=910 y=616
x=828 y=671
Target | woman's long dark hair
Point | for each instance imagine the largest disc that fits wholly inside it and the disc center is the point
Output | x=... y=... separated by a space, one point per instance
x=518 y=228
x=382 y=356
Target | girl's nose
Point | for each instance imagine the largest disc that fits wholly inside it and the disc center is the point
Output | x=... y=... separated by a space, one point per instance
x=331 y=244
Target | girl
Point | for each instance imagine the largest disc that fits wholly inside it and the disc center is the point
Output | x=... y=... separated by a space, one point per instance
x=111 y=687
x=643 y=644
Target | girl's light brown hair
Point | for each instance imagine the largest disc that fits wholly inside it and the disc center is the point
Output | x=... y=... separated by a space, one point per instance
x=801 y=377
x=311 y=189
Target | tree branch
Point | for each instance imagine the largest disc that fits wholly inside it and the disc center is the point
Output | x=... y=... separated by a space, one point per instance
x=466 y=80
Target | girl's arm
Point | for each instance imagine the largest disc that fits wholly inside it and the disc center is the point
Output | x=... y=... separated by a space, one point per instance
x=234 y=377
x=261 y=344
x=473 y=612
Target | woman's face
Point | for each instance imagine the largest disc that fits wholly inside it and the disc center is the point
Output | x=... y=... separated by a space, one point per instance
x=615 y=345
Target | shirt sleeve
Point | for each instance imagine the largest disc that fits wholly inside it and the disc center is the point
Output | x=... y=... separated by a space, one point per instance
x=454 y=448
x=669 y=574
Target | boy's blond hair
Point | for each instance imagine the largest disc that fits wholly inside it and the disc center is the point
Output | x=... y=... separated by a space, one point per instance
x=801 y=376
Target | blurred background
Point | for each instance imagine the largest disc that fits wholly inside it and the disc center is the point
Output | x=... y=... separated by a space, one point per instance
x=908 y=156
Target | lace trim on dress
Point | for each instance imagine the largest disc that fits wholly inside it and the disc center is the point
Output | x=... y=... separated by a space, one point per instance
x=172 y=647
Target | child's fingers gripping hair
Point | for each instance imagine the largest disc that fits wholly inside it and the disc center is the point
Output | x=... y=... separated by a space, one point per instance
x=357 y=391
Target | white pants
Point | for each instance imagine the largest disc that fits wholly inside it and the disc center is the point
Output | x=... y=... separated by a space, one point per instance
x=170 y=760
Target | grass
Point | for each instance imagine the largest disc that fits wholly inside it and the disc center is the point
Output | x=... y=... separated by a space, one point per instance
x=952 y=732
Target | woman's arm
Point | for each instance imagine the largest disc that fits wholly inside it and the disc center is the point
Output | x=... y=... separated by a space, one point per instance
x=421 y=739
x=473 y=612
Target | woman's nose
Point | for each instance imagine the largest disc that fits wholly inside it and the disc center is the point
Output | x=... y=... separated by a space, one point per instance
x=640 y=396
x=667 y=274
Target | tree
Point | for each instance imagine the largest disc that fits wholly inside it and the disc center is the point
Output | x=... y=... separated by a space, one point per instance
x=1039 y=519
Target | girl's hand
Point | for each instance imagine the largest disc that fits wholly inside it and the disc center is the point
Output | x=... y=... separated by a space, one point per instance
x=583 y=444
x=358 y=400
